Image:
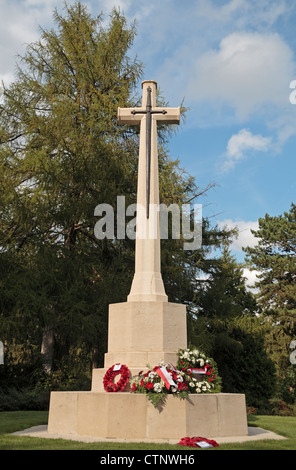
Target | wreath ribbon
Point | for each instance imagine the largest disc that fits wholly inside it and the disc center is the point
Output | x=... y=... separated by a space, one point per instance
x=166 y=377
x=198 y=371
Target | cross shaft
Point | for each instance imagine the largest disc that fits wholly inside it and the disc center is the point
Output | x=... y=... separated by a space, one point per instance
x=147 y=282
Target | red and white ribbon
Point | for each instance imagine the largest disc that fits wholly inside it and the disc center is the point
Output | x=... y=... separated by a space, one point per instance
x=166 y=377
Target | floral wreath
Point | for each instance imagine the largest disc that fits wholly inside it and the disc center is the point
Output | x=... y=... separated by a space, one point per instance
x=194 y=361
x=112 y=372
x=181 y=380
x=158 y=382
x=198 y=442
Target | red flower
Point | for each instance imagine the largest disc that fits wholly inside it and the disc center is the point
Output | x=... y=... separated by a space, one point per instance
x=109 y=386
x=149 y=385
x=192 y=441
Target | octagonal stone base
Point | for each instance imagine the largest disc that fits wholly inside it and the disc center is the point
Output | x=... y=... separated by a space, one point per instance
x=132 y=417
x=141 y=333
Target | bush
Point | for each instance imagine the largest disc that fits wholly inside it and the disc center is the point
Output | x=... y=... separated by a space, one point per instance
x=248 y=370
x=281 y=408
x=286 y=389
x=24 y=399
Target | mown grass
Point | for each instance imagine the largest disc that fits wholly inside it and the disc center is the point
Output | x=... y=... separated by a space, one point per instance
x=19 y=420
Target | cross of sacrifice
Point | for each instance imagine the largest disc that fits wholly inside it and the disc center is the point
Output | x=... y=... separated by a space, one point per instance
x=147 y=263
x=145 y=113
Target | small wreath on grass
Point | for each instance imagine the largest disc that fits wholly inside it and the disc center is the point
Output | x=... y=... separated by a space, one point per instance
x=112 y=372
x=198 y=442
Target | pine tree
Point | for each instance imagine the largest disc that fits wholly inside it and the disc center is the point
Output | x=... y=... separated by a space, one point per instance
x=62 y=154
x=220 y=297
x=248 y=369
x=274 y=257
x=226 y=295
x=225 y=325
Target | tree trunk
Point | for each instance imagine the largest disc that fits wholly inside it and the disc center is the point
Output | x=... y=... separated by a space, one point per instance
x=95 y=358
x=47 y=348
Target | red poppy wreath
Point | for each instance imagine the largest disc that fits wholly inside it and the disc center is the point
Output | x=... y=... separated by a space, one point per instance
x=111 y=373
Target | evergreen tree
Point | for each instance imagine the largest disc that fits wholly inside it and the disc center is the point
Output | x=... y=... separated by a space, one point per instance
x=62 y=154
x=274 y=257
x=226 y=326
x=250 y=370
x=226 y=296
x=220 y=298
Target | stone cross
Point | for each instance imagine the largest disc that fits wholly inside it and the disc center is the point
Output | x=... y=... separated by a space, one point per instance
x=147 y=283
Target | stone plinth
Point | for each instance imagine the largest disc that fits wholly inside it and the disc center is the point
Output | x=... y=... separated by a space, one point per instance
x=141 y=333
x=132 y=417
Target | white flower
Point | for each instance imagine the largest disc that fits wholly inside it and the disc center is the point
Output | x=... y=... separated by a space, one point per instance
x=198 y=390
x=157 y=387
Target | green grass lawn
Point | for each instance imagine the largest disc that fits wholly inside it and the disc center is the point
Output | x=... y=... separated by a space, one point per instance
x=18 y=420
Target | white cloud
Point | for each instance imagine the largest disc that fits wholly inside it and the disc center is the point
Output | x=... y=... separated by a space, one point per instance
x=251 y=277
x=242 y=143
x=108 y=5
x=244 y=13
x=245 y=237
x=20 y=22
x=247 y=71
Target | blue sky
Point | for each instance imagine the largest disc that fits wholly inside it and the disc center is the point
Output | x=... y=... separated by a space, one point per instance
x=232 y=61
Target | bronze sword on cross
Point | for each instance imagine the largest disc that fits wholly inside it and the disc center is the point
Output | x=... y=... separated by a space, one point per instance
x=136 y=116
x=149 y=111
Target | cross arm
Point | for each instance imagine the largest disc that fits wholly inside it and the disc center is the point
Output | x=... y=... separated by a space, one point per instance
x=171 y=115
x=125 y=116
x=134 y=115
